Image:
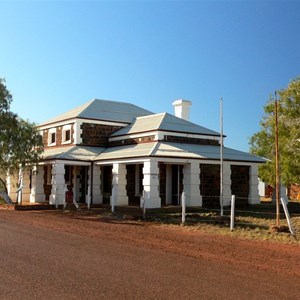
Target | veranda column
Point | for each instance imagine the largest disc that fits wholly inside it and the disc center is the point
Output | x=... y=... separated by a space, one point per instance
x=191 y=184
x=58 y=184
x=26 y=186
x=151 y=184
x=119 y=184
x=89 y=186
x=12 y=186
x=253 y=185
x=226 y=184
x=37 y=185
x=97 y=196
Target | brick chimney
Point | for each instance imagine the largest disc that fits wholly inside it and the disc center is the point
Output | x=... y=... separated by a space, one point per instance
x=182 y=109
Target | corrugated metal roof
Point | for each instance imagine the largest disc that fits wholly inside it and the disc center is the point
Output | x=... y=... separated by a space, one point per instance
x=176 y=150
x=137 y=150
x=82 y=153
x=103 y=110
x=203 y=152
x=165 y=122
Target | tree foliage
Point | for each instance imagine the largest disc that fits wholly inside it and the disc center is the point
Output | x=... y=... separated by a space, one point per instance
x=263 y=142
x=20 y=141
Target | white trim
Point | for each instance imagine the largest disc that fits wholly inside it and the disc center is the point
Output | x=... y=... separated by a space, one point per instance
x=64 y=129
x=66 y=162
x=159 y=134
x=74 y=120
x=52 y=131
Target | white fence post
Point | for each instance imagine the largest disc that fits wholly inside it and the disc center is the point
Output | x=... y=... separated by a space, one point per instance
x=143 y=204
x=89 y=197
x=232 y=212
x=112 y=201
x=183 y=200
x=287 y=215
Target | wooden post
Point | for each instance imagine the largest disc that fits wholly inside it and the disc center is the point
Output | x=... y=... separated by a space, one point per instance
x=232 y=212
x=277 y=165
x=183 y=200
x=287 y=215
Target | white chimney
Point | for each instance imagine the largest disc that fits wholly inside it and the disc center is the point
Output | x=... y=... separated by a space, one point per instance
x=182 y=109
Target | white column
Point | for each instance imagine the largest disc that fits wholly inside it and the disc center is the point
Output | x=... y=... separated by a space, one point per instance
x=119 y=184
x=76 y=180
x=12 y=186
x=58 y=184
x=89 y=186
x=191 y=184
x=226 y=184
x=254 y=197
x=97 y=196
x=37 y=185
x=151 y=184
x=26 y=186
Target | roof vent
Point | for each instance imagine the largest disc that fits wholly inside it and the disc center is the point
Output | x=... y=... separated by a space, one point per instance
x=182 y=109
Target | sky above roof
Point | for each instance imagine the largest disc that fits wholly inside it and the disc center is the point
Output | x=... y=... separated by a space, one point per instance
x=56 y=56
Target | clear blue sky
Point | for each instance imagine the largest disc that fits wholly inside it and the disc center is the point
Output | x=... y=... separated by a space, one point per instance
x=57 y=55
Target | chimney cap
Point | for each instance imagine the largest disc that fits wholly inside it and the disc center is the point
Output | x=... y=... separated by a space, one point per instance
x=182 y=102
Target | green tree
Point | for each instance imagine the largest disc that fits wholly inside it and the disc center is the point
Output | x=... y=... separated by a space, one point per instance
x=20 y=141
x=263 y=142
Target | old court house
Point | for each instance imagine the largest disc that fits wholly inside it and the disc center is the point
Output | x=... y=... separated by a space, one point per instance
x=106 y=149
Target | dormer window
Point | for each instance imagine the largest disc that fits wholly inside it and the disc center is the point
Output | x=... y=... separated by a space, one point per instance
x=66 y=134
x=52 y=137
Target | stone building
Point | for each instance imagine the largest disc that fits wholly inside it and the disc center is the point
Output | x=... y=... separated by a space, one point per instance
x=108 y=150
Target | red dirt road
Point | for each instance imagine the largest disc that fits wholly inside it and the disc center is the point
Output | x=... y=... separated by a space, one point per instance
x=53 y=255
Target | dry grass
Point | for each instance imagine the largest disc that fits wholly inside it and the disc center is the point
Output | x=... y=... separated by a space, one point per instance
x=254 y=222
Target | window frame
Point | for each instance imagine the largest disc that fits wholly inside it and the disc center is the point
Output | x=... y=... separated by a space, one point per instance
x=51 y=133
x=65 y=129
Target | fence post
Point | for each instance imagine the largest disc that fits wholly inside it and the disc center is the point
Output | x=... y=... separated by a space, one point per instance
x=183 y=200
x=287 y=215
x=143 y=204
x=112 y=201
x=232 y=212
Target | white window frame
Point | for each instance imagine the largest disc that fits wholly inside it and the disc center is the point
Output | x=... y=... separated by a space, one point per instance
x=66 y=128
x=50 y=132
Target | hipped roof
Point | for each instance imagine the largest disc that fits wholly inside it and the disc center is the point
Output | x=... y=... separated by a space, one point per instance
x=176 y=150
x=81 y=153
x=163 y=122
x=104 y=110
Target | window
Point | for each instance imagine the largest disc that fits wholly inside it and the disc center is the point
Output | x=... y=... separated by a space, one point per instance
x=66 y=134
x=52 y=137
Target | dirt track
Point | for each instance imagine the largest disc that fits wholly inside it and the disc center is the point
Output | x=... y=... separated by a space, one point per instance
x=275 y=260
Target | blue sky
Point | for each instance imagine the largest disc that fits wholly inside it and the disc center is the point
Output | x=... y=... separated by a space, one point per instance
x=56 y=55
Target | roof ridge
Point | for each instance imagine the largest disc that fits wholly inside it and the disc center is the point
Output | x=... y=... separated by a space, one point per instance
x=87 y=106
x=162 y=119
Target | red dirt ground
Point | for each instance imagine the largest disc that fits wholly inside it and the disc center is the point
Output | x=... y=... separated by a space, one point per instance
x=257 y=255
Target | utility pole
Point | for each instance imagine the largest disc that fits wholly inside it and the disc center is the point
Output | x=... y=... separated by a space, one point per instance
x=277 y=164
x=221 y=157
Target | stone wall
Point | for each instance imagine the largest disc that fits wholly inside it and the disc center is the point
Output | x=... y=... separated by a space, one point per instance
x=210 y=185
x=59 y=132
x=97 y=134
x=180 y=139
x=240 y=184
x=134 y=141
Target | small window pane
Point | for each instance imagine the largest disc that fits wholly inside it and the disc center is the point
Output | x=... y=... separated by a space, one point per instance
x=53 y=138
x=67 y=135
